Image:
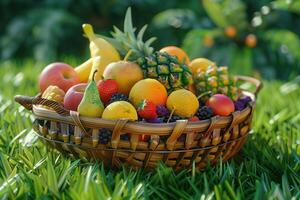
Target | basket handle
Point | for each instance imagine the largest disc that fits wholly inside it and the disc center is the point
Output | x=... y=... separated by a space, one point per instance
x=258 y=84
x=28 y=102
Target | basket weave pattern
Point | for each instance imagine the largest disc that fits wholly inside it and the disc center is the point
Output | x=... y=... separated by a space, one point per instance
x=178 y=144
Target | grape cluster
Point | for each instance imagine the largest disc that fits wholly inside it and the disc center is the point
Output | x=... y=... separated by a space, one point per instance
x=105 y=135
x=241 y=103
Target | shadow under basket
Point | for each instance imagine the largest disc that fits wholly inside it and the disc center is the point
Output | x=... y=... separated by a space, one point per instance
x=178 y=144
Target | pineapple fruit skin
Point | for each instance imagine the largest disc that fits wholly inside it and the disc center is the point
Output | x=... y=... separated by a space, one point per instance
x=167 y=70
x=216 y=80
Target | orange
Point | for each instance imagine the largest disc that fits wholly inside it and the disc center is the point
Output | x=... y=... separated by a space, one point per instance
x=179 y=53
x=149 y=89
x=230 y=31
x=251 y=40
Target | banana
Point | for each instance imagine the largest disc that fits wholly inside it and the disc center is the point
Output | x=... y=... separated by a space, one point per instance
x=102 y=48
x=84 y=70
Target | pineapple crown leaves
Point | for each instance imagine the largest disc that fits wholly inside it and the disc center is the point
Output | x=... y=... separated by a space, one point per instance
x=128 y=40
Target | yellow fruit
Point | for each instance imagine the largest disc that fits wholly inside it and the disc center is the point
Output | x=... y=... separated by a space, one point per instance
x=184 y=103
x=102 y=48
x=200 y=64
x=120 y=110
x=84 y=70
x=125 y=73
x=99 y=64
x=53 y=93
x=149 y=89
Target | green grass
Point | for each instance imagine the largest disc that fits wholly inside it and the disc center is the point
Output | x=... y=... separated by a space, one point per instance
x=268 y=167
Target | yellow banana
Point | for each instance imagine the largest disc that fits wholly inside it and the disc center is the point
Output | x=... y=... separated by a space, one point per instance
x=102 y=48
x=84 y=70
x=99 y=46
x=99 y=64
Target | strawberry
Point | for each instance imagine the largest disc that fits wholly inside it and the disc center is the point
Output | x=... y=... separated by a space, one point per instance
x=106 y=89
x=194 y=119
x=147 y=109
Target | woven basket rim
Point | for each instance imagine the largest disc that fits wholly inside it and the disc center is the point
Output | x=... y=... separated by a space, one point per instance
x=143 y=127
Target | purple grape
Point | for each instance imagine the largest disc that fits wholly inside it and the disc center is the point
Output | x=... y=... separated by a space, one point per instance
x=155 y=120
x=239 y=105
x=246 y=99
x=162 y=111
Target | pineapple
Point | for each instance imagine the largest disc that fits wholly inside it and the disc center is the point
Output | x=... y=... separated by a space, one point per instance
x=157 y=65
x=215 y=80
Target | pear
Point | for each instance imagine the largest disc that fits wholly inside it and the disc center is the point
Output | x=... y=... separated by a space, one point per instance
x=100 y=47
x=91 y=105
x=84 y=70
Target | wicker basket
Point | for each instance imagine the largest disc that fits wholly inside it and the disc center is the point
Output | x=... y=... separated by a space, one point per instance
x=178 y=144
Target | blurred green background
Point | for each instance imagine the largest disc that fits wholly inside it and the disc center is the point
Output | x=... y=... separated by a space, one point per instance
x=258 y=37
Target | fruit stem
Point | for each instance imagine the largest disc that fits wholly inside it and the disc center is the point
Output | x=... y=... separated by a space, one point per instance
x=204 y=94
x=171 y=114
x=127 y=55
x=88 y=30
x=94 y=73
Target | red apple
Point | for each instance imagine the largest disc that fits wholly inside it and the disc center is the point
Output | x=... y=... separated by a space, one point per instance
x=74 y=95
x=221 y=104
x=59 y=74
x=106 y=89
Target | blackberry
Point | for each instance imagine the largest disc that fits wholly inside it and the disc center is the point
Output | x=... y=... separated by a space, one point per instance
x=125 y=137
x=204 y=112
x=118 y=97
x=104 y=136
x=201 y=103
